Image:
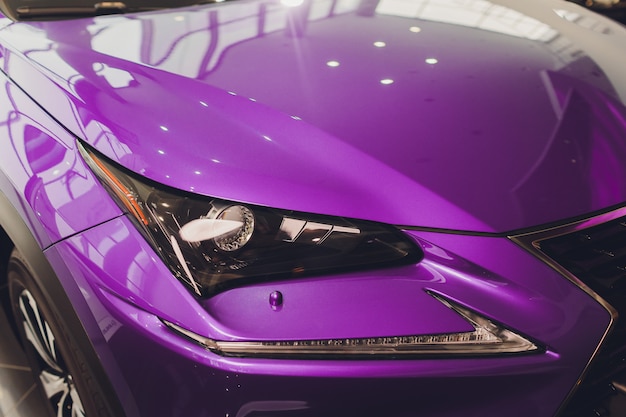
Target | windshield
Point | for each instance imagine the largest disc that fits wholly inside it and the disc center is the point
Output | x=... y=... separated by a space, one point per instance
x=59 y=9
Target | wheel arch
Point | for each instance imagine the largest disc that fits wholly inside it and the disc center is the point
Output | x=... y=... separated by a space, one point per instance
x=6 y=247
x=14 y=233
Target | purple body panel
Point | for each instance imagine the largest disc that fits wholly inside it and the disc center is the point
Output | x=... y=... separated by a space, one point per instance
x=479 y=120
x=44 y=177
x=136 y=336
x=245 y=96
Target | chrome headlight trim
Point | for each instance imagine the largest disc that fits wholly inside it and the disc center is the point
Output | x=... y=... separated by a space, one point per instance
x=531 y=241
x=487 y=338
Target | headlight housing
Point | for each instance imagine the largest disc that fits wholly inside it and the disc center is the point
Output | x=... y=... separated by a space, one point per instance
x=212 y=244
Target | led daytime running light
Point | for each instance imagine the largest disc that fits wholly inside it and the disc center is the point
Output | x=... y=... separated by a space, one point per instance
x=487 y=338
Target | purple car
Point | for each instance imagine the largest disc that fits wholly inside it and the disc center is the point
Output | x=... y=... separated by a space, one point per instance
x=315 y=208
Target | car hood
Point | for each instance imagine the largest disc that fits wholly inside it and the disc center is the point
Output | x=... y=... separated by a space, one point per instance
x=482 y=117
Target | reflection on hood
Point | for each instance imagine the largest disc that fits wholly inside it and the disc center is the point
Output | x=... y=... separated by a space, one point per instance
x=480 y=117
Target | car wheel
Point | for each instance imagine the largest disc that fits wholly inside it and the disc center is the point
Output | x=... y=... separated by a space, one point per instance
x=58 y=368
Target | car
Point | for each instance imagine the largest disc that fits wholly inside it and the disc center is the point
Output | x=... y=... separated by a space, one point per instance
x=298 y=208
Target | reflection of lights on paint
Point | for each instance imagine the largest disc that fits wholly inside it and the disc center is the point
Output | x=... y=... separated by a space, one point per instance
x=386 y=81
x=117 y=78
x=431 y=61
x=203 y=104
x=164 y=128
x=179 y=18
x=292 y=3
x=267 y=138
x=161 y=152
x=197 y=172
x=217 y=161
x=202 y=229
x=380 y=44
x=333 y=64
x=296 y=118
x=415 y=29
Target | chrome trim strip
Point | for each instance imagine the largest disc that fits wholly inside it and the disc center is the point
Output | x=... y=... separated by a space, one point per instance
x=488 y=338
x=532 y=243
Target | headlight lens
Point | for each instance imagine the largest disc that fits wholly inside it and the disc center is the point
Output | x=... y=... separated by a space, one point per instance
x=212 y=244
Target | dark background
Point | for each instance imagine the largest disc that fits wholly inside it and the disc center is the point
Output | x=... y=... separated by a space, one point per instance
x=616 y=12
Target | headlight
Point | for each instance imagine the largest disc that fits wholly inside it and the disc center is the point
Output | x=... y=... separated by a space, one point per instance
x=212 y=244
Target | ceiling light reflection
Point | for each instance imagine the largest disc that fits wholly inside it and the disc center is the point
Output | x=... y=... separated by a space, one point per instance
x=386 y=81
x=333 y=64
x=415 y=29
x=380 y=44
x=431 y=61
x=292 y=3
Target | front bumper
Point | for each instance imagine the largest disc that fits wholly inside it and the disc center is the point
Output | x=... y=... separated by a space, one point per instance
x=129 y=293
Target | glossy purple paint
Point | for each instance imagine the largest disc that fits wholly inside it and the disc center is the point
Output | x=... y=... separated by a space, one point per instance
x=414 y=121
x=318 y=307
x=43 y=175
x=419 y=151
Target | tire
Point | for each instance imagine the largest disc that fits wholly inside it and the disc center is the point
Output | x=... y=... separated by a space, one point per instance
x=59 y=368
